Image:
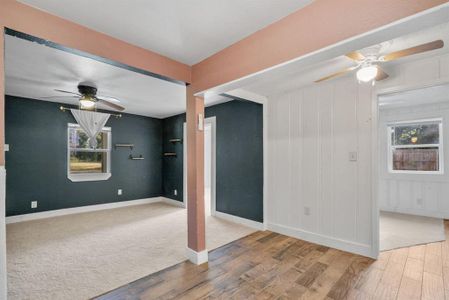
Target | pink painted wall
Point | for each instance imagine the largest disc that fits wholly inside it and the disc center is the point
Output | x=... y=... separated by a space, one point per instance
x=320 y=24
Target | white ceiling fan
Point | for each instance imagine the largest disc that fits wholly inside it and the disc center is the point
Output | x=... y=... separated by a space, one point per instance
x=368 y=66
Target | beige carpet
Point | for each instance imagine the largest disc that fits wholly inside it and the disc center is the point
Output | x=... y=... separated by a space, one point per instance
x=84 y=255
x=400 y=230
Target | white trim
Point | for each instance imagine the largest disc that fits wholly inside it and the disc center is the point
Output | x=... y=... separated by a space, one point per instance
x=213 y=198
x=247 y=95
x=80 y=177
x=247 y=222
x=374 y=175
x=3 y=288
x=391 y=148
x=197 y=258
x=173 y=202
x=81 y=209
x=358 y=248
x=88 y=177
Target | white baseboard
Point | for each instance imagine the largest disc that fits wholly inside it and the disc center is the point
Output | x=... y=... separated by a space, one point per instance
x=197 y=258
x=348 y=246
x=173 y=202
x=239 y=220
x=77 y=210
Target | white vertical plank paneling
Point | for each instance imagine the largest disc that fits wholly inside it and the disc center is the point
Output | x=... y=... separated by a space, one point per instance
x=421 y=71
x=272 y=136
x=283 y=158
x=296 y=169
x=444 y=66
x=310 y=156
x=311 y=132
x=345 y=183
x=364 y=207
x=325 y=205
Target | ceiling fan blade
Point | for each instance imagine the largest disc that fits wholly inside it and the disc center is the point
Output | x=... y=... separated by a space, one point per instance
x=342 y=72
x=108 y=98
x=67 y=92
x=357 y=56
x=110 y=104
x=60 y=97
x=413 y=50
x=381 y=75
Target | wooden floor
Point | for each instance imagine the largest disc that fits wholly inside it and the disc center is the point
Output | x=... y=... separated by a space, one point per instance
x=266 y=265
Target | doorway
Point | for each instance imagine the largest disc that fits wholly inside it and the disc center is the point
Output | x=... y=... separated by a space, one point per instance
x=412 y=165
x=209 y=166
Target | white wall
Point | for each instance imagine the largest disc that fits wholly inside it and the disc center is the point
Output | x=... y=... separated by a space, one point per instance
x=311 y=132
x=425 y=195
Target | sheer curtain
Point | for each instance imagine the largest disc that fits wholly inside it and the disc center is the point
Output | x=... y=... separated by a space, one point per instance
x=91 y=122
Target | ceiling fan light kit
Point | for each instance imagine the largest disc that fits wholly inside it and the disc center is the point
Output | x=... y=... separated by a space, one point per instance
x=87 y=102
x=367 y=73
x=88 y=99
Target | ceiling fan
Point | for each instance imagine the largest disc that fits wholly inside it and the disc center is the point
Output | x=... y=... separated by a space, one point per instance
x=367 y=65
x=88 y=99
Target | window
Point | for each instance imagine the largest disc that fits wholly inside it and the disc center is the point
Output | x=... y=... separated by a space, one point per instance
x=85 y=163
x=416 y=147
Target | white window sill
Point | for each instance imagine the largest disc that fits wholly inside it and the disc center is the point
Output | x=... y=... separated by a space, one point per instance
x=417 y=172
x=89 y=177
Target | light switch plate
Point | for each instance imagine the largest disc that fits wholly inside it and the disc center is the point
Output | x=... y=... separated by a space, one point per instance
x=6 y=147
x=306 y=210
x=33 y=204
x=119 y=192
x=353 y=156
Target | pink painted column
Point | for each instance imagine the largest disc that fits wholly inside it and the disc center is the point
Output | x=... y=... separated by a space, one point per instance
x=196 y=244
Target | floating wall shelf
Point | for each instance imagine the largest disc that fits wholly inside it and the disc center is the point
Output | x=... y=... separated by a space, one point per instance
x=169 y=154
x=140 y=157
x=175 y=141
x=131 y=146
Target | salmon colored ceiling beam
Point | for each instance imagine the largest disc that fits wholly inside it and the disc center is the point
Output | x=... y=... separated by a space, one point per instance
x=320 y=24
x=23 y=18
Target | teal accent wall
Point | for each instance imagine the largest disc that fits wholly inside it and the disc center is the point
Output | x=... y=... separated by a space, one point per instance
x=36 y=163
x=239 y=158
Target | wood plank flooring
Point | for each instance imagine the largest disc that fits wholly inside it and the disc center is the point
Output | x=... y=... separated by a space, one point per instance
x=267 y=265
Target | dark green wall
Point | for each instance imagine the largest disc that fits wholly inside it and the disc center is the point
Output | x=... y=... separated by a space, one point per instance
x=36 y=163
x=239 y=160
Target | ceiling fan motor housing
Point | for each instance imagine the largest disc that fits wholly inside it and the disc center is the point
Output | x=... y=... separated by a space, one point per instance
x=87 y=90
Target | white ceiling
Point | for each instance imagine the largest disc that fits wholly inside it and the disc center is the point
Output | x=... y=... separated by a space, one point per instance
x=292 y=77
x=187 y=31
x=34 y=71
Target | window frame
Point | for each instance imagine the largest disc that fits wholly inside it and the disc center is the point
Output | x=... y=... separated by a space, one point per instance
x=391 y=148
x=89 y=176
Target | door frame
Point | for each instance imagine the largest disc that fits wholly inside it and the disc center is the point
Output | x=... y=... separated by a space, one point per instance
x=213 y=189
